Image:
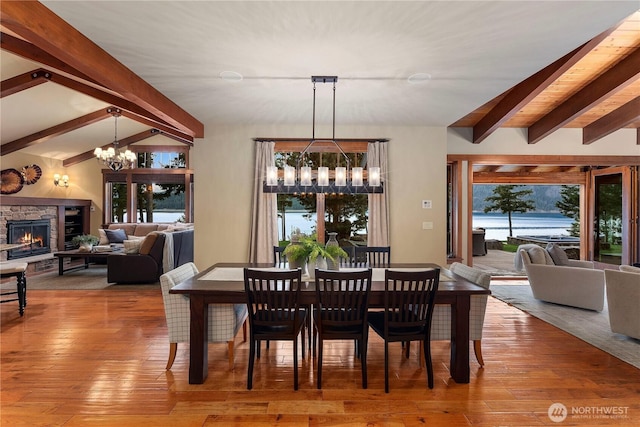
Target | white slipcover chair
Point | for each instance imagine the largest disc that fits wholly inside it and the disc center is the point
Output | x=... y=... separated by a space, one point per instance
x=441 y=322
x=623 y=299
x=576 y=284
x=224 y=319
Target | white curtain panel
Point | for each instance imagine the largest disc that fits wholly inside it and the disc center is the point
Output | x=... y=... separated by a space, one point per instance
x=378 y=226
x=264 y=219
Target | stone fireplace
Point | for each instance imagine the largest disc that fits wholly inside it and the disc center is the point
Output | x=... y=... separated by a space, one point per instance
x=34 y=234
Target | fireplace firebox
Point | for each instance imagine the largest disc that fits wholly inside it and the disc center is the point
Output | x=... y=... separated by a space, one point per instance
x=34 y=234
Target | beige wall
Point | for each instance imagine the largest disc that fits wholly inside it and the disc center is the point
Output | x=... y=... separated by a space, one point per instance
x=224 y=161
x=85 y=182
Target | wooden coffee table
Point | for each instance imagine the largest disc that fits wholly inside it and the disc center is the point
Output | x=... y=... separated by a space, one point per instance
x=87 y=256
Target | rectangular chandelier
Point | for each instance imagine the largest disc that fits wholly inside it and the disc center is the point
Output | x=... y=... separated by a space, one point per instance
x=341 y=180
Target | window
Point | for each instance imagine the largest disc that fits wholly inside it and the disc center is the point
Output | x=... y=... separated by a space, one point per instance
x=160 y=189
x=344 y=214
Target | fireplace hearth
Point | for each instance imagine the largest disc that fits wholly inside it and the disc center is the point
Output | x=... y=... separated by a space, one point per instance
x=35 y=234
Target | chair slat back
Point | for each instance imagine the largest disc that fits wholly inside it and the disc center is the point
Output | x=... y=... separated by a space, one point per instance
x=343 y=296
x=272 y=297
x=279 y=258
x=372 y=256
x=409 y=300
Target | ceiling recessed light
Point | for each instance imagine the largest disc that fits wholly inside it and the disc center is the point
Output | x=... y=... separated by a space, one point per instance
x=231 y=76
x=419 y=78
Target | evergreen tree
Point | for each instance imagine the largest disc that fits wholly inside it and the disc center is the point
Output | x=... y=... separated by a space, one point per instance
x=569 y=205
x=508 y=199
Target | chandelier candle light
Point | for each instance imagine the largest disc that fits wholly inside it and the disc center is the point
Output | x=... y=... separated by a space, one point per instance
x=113 y=158
x=319 y=181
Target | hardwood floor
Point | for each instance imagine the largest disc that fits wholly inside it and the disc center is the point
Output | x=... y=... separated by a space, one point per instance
x=97 y=358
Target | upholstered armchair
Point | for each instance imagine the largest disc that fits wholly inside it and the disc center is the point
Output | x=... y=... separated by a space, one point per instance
x=623 y=298
x=224 y=319
x=576 y=284
x=441 y=322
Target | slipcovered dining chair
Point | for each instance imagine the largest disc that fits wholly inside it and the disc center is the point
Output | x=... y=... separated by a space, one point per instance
x=224 y=319
x=408 y=310
x=371 y=256
x=341 y=312
x=274 y=312
x=441 y=323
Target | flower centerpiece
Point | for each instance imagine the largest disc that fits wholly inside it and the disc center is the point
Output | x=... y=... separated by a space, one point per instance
x=85 y=242
x=306 y=250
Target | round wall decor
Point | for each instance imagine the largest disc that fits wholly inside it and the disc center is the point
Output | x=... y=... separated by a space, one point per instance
x=31 y=174
x=11 y=181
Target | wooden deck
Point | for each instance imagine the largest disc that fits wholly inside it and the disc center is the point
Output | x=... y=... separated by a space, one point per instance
x=97 y=358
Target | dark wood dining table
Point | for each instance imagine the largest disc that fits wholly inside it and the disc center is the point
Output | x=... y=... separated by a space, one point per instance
x=202 y=290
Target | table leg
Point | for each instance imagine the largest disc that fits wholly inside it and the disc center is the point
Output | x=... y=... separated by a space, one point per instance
x=60 y=265
x=459 y=365
x=198 y=357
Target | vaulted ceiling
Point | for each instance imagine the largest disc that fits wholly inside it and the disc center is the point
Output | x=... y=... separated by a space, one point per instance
x=480 y=65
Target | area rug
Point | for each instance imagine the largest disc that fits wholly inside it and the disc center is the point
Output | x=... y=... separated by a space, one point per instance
x=590 y=326
x=93 y=278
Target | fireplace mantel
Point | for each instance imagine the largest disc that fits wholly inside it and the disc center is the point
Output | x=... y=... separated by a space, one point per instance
x=43 y=201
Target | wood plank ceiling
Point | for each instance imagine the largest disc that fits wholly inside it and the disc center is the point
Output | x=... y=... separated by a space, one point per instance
x=596 y=87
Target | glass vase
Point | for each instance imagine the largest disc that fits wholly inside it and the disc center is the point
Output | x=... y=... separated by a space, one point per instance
x=333 y=241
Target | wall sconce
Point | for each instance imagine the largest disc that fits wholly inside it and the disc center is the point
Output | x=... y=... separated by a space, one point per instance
x=61 y=181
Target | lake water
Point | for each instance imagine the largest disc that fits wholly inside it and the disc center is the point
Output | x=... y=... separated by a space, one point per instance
x=495 y=224
x=532 y=224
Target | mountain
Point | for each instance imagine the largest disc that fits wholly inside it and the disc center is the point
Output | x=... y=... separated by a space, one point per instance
x=544 y=196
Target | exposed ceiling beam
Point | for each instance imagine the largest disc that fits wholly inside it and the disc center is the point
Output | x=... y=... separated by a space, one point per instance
x=544 y=159
x=616 y=78
x=521 y=94
x=528 y=177
x=37 y=24
x=28 y=51
x=617 y=119
x=167 y=130
x=108 y=97
x=54 y=131
x=121 y=143
x=22 y=82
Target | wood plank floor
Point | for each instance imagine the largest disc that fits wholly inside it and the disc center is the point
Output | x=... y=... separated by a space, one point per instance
x=97 y=358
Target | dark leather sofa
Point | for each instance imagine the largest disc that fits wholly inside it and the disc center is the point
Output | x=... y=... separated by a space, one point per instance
x=148 y=267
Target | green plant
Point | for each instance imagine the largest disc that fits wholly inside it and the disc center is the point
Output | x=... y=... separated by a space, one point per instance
x=85 y=239
x=308 y=248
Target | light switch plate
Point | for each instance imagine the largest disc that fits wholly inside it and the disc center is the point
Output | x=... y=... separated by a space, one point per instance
x=427 y=225
x=426 y=204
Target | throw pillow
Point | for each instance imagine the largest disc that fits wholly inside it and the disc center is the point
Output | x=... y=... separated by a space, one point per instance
x=147 y=243
x=104 y=240
x=537 y=255
x=116 y=236
x=629 y=269
x=132 y=246
x=558 y=255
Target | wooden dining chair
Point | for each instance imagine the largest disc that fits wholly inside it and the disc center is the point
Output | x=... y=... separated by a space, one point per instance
x=408 y=310
x=279 y=258
x=341 y=312
x=19 y=271
x=274 y=312
x=372 y=256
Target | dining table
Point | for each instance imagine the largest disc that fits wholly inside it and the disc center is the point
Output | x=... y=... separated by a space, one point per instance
x=223 y=283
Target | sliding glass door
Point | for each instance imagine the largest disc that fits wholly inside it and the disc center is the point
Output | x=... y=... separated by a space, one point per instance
x=614 y=212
